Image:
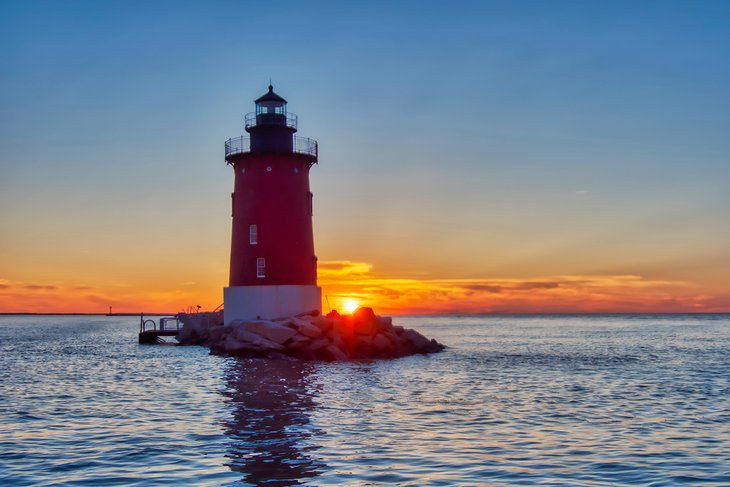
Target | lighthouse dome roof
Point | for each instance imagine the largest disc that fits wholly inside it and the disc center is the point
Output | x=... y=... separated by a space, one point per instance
x=270 y=96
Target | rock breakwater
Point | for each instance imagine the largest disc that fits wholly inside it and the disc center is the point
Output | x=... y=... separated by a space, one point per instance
x=335 y=337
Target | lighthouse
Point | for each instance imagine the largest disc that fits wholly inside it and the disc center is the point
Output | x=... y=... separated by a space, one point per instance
x=273 y=269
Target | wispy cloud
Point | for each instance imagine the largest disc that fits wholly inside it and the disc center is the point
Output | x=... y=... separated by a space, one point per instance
x=40 y=287
x=342 y=268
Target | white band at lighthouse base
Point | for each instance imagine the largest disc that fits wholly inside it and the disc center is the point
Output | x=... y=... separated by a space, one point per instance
x=269 y=302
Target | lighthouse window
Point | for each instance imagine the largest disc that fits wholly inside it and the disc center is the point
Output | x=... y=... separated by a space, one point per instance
x=253 y=234
x=268 y=168
x=260 y=267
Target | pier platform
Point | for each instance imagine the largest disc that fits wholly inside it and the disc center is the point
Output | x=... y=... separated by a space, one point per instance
x=150 y=332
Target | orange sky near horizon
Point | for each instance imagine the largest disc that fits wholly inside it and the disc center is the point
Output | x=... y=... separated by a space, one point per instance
x=345 y=280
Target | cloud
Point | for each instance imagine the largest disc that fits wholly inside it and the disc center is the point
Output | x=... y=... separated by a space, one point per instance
x=40 y=287
x=526 y=286
x=487 y=288
x=343 y=268
x=517 y=286
x=95 y=298
x=551 y=294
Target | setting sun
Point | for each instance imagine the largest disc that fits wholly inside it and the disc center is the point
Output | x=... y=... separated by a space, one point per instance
x=351 y=305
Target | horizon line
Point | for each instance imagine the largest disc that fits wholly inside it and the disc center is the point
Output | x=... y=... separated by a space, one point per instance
x=524 y=313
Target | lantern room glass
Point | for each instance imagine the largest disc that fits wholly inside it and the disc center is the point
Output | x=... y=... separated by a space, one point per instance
x=271 y=107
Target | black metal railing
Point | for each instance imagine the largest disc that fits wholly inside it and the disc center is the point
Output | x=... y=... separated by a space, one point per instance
x=146 y=325
x=305 y=145
x=302 y=145
x=170 y=323
x=257 y=120
x=167 y=323
x=238 y=145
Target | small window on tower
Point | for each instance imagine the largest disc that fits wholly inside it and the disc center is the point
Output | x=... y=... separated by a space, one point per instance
x=260 y=267
x=253 y=234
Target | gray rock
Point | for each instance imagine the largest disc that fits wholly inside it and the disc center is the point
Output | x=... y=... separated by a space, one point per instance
x=241 y=334
x=366 y=322
x=334 y=353
x=318 y=344
x=363 y=346
x=276 y=332
x=307 y=329
x=233 y=346
x=298 y=342
x=382 y=345
x=323 y=323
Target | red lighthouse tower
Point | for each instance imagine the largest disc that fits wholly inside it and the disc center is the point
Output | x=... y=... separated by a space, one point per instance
x=273 y=266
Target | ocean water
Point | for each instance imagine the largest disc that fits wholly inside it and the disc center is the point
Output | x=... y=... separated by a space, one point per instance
x=514 y=400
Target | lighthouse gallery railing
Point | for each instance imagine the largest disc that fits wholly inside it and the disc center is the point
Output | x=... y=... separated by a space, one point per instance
x=254 y=119
x=302 y=145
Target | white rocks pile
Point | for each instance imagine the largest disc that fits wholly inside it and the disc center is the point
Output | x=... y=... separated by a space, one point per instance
x=362 y=335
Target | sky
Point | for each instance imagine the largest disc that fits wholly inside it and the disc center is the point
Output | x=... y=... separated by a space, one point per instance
x=516 y=157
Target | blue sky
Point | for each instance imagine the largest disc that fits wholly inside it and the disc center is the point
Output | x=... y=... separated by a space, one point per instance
x=485 y=138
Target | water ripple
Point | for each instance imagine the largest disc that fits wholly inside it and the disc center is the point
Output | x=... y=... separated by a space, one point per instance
x=596 y=401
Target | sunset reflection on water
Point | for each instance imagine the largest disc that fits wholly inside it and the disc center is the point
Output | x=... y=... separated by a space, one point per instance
x=270 y=429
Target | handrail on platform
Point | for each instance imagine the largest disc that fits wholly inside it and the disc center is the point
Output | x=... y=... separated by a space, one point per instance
x=151 y=325
x=300 y=145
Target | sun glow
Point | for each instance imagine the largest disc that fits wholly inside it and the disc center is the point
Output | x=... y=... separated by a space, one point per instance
x=351 y=305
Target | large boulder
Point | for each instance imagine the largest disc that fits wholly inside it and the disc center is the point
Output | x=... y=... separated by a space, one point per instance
x=276 y=332
x=333 y=353
x=365 y=322
x=382 y=345
x=298 y=342
x=305 y=328
x=344 y=326
x=233 y=346
x=318 y=344
x=199 y=328
x=418 y=341
x=242 y=335
x=323 y=323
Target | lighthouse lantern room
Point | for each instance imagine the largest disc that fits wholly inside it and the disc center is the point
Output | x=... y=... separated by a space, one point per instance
x=273 y=269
